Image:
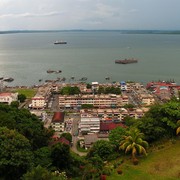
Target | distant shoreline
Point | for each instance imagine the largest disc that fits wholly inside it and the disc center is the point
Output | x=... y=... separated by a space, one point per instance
x=79 y=30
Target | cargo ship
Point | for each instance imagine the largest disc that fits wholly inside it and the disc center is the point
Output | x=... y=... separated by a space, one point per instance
x=60 y=42
x=126 y=61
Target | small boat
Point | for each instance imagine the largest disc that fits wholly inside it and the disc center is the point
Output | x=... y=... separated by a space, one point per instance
x=40 y=80
x=83 y=79
x=63 y=79
x=107 y=78
x=8 y=79
x=60 y=42
x=126 y=61
x=50 y=71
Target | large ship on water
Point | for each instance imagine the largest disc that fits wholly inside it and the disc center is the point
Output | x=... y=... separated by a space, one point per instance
x=60 y=42
x=126 y=61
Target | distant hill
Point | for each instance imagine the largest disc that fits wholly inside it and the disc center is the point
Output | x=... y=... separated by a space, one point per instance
x=79 y=30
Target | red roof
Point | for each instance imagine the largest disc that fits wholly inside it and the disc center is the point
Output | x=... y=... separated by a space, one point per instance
x=59 y=140
x=104 y=126
x=5 y=94
x=58 y=117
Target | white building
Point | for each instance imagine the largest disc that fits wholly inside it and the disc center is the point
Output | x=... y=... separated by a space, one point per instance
x=8 y=98
x=38 y=102
x=89 y=125
x=58 y=122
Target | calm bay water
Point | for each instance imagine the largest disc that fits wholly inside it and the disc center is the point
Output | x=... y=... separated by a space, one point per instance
x=27 y=56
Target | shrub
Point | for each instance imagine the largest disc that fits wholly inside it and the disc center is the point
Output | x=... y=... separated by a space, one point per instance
x=135 y=161
x=119 y=171
x=103 y=177
x=106 y=171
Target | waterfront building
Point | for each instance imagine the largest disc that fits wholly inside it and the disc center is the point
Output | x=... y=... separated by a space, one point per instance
x=8 y=98
x=38 y=102
x=98 y=101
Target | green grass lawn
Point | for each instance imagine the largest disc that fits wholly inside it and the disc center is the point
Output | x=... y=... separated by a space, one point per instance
x=29 y=93
x=162 y=163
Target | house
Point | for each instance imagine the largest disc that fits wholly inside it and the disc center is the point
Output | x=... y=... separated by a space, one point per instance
x=57 y=122
x=56 y=139
x=106 y=127
x=90 y=139
x=8 y=98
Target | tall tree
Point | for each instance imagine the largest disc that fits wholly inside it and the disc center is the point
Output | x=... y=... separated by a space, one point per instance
x=15 y=154
x=60 y=155
x=178 y=128
x=101 y=148
x=134 y=143
x=116 y=136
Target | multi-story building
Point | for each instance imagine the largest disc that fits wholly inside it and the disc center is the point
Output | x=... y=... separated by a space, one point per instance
x=114 y=114
x=89 y=125
x=146 y=99
x=38 y=102
x=99 y=101
x=57 y=122
x=8 y=98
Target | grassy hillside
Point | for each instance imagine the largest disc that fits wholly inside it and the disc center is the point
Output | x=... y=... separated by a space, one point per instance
x=163 y=163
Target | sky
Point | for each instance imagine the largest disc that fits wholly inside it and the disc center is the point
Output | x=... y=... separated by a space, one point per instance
x=89 y=14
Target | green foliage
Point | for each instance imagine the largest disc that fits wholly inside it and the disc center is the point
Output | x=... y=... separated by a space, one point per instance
x=109 y=90
x=87 y=106
x=130 y=121
x=93 y=168
x=68 y=90
x=128 y=106
x=26 y=124
x=134 y=143
x=40 y=173
x=15 y=104
x=160 y=121
x=29 y=93
x=88 y=86
x=15 y=154
x=60 y=155
x=43 y=157
x=101 y=148
x=21 y=97
x=116 y=136
x=68 y=136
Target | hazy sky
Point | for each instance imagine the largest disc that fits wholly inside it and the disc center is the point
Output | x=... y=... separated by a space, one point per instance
x=89 y=14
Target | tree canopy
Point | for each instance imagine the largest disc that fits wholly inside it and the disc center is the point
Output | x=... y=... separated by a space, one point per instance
x=160 y=121
x=26 y=124
x=15 y=154
x=68 y=90
x=101 y=148
x=116 y=135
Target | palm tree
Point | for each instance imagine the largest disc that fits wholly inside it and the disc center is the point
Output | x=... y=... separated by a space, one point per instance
x=134 y=143
x=178 y=128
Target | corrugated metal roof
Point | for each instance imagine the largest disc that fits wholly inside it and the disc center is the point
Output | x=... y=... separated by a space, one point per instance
x=58 y=117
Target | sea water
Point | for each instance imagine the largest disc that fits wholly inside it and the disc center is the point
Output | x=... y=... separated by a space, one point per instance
x=26 y=57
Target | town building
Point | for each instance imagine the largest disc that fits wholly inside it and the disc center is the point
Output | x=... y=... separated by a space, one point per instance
x=89 y=125
x=116 y=114
x=57 y=122
x=38 y=102
x=99 y=101
x=8 y=98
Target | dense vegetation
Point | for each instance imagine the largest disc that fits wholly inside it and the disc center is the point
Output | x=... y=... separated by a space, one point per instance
x=24 y=148
x=68 y=90
x=25 y=152
x=109 y=90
